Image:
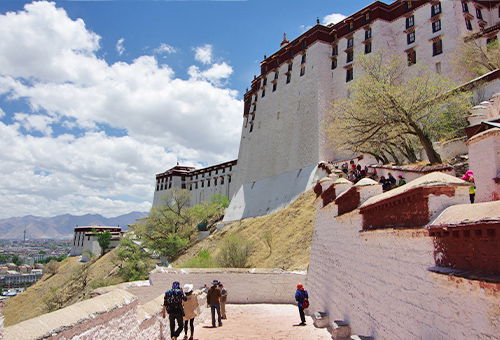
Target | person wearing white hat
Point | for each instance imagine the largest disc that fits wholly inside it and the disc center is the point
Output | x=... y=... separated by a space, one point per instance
x=190 y=307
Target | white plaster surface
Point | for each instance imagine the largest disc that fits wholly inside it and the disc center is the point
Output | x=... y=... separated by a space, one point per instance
x=484 y=160
x=271 y=194
x=378 y=283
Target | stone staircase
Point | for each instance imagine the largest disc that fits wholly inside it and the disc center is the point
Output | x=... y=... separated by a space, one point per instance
x=340 y=330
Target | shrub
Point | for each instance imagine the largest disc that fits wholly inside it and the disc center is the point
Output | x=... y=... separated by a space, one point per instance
x=234 y=252
x=202 y=260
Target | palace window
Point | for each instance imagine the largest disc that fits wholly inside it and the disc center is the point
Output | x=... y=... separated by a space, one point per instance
x=368 y=48
x=290 y=66
x=465 y=7
x=229 y=179
x=263 y=93
x=222 y=180
x=264 y=82
x=275 y=86
x=436 y=9
x=303 y=61
x=251 y=127
x=410 y=37
x=302 y=71
x=412 y=57
x=368 y=34
x=215 y=181
x=335 y=51
x=438 y=68
x=351 y=25
x=409 y=4
x=437 y=47
x=350 y=56
x=468 y=24
x=169 y=185
x=202 y=184
x=288 y=78
x=183 y=186
x=334 y=64
x=436 y=26
x=349 y=75
x=410 y=21
x=479 y=15
x=196 y=185
x=190 y=187
x=276 y=74
x=350 y=42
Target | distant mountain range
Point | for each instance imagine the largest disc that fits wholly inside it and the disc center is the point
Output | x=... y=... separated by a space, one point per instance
x=59 y=227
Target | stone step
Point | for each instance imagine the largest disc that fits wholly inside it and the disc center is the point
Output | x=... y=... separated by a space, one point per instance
x=321 y=320
x=359 y=337
x=340 y=330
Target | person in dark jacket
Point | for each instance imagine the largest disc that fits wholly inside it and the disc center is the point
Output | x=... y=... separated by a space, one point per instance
x=172 y=304
x=302 y=299
x=391 y=180
x=213 y=300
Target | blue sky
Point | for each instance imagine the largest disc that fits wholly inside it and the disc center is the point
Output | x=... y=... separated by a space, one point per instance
x=98 y=96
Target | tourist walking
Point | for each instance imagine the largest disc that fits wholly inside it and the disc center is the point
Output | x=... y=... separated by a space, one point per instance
x=469 y=177
x=213 y=300
x=172 y=304
x=190 y=307
x=302 y=299
x=223 y=299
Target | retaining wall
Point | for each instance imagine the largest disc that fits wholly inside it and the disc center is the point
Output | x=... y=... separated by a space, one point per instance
x=271 y=194
x=114 y=315
x=379 y=281
x=244 y=285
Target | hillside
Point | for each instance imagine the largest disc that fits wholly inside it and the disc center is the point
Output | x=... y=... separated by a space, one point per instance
x=62 y=289
x=59 y=227
x=291 y=231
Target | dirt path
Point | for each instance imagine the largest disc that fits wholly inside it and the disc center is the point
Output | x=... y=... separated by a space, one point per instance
x=270 y=322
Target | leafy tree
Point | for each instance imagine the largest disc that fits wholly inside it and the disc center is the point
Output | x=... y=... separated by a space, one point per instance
x=16 y=260
x=104 y=239
x=135 y=262
x=170 y=226
x=393 y=108
x=478 y=58
x=203 y=260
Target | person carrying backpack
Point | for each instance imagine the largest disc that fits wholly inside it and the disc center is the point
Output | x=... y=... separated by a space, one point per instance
x=302 y=299
x=172 y=304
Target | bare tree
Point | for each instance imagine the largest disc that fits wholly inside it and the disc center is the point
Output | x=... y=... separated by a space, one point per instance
x=477 y=58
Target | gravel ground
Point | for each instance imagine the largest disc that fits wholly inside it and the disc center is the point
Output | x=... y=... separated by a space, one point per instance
x=248 y=322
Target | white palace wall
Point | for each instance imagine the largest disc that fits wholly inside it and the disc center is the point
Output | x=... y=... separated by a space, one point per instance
x=379 y=282
x=271 y=194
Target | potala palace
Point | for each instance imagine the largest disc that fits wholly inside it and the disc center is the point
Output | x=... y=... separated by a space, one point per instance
x=282 y=134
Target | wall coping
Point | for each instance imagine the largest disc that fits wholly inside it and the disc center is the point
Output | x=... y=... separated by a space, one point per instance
x=414 y=168
x=483 y=135
x=430 y=180
x=47 y=324
x=462 y=214
x=225 y=271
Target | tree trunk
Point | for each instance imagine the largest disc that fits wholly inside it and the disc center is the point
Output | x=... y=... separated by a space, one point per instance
x=434 y=157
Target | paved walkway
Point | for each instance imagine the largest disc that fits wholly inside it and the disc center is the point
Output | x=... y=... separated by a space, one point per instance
x=270 y=322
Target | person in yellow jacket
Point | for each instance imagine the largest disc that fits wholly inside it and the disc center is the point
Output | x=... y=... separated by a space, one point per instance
x=469 y=177
x=190 y=308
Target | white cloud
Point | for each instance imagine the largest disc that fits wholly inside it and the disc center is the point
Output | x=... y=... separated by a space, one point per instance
x=216 y=74
x=35 y=122
x=203 y=54
x=165 y=118
x=333 y=18
x=119 y=46
x=165 y=49
x=2 y=113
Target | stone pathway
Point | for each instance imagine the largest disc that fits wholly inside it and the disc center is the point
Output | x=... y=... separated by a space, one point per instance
x=271 y=322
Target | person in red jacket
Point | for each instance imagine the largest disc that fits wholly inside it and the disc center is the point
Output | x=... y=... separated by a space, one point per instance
x=302 y=299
